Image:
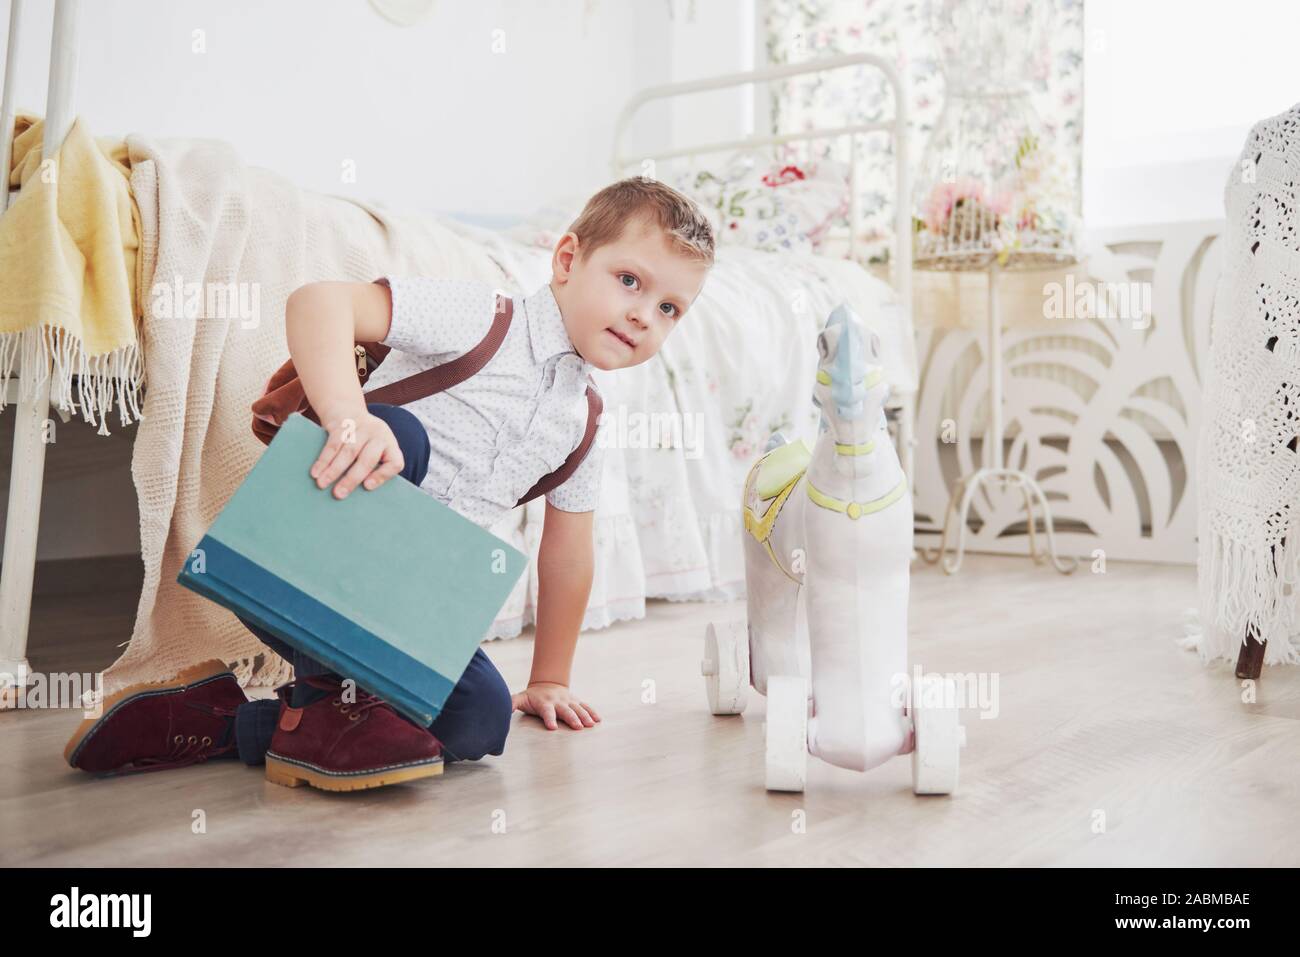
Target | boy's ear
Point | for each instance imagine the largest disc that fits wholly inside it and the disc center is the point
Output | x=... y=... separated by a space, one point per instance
x=566 y=250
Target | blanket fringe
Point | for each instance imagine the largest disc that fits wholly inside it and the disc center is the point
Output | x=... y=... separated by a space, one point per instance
x=44 y=350
x=1241 y=589
x=274 y=672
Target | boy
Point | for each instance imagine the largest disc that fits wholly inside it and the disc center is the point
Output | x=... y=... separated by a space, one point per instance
x=622 y=277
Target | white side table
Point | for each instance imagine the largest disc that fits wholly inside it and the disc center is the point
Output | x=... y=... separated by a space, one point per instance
x=964 y=489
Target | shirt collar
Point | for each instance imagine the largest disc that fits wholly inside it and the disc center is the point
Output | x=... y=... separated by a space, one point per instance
x=546 y=329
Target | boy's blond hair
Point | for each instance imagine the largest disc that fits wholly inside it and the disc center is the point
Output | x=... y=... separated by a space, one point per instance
x=606 y=214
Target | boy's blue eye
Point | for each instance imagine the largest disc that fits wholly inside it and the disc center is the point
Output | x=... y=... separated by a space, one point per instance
x=635 y=281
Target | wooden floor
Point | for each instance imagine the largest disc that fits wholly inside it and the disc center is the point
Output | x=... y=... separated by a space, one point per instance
x=1104 y=721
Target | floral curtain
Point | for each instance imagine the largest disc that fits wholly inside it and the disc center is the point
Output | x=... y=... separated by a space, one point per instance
x=903 y=30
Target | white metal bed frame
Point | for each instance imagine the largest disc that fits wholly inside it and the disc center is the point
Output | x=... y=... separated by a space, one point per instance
x=28 y=470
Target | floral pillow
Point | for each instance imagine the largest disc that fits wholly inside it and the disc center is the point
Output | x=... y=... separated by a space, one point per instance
x=777 y=207
x=750 y=201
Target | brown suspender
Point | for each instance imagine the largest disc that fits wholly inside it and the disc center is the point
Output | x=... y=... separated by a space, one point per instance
x=570 y=465
x=444 y=376
x=284 y=394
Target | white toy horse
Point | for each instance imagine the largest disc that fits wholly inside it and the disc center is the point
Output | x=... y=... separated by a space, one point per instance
x=837 y=519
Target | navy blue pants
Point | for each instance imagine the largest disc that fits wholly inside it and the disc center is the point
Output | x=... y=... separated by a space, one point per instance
x=476 y=717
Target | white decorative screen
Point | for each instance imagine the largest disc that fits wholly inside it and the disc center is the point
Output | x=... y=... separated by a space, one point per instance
x=1102 y=411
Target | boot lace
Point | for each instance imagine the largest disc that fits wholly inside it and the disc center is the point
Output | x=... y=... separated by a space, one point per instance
x=185 y=749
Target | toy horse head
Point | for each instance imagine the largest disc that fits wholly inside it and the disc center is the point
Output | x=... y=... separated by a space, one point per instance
x=850 y=389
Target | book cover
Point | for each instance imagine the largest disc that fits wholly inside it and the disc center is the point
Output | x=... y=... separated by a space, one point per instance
x=388 y=586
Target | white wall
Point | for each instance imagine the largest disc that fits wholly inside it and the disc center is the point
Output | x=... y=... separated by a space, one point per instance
x=434 y=119
x=432 y=115
x=1171 y=88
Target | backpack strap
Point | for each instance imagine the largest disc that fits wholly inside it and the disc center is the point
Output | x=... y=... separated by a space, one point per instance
x=570 y=465
x=448 y=374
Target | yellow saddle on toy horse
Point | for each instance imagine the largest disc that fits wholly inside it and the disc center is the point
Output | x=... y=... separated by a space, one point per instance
x=769 y=483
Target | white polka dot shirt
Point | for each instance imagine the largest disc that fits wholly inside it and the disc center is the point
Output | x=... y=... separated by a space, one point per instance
x=494 y=435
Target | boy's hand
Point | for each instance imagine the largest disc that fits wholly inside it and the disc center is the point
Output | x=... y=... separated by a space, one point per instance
x=548 y=701
x=361 y=448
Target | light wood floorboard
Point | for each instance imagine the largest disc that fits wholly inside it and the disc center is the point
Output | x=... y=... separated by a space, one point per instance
x=1100 y=712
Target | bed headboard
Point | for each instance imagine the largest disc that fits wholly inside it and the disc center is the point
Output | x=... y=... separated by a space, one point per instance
x=901 y=256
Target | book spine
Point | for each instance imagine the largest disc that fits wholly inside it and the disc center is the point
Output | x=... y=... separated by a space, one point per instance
x=244 y=606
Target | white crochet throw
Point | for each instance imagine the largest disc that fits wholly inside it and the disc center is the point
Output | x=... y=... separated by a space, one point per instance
x=1248 y=466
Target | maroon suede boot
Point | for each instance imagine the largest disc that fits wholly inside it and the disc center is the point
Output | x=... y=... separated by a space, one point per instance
x=339 y=746
x=168 y=724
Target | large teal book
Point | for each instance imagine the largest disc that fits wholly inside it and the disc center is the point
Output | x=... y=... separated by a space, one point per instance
x=387 y=586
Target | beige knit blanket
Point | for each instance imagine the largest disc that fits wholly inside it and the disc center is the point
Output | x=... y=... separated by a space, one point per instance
x=222 y=247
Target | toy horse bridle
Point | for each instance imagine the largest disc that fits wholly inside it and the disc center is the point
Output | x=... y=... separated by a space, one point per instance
x=854 y=510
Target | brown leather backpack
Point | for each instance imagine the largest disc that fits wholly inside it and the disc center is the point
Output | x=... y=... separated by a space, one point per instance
x=284 y=393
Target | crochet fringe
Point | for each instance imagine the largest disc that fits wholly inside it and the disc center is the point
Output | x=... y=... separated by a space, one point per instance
x=43 y=351
x=1239 y=589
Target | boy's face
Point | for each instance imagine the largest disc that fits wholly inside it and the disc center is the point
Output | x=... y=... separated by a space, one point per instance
x=620 y=303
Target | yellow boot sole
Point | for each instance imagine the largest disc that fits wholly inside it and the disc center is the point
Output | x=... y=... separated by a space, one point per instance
x=296 y=775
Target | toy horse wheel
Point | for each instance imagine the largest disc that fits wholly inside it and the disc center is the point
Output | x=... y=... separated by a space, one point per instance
x=787 y=733
x=939 y=736
x=726 y=666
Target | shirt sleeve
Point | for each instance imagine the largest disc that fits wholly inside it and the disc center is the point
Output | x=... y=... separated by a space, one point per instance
x=580 y=492
x=443 y=318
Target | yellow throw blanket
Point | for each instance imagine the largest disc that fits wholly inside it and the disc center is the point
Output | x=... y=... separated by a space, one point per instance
x=69 y=288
